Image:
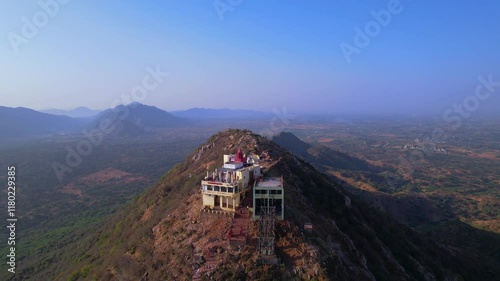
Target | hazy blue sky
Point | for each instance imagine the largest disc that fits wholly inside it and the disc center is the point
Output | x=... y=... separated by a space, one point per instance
x=261 y=55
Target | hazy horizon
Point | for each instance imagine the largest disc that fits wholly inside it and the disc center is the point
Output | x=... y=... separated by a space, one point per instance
x=424 y=57
x=477 y=115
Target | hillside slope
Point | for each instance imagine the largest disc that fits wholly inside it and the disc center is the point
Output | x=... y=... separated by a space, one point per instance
x=163 y=236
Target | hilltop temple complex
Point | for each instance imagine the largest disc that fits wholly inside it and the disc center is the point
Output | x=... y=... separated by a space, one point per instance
x=239 y=188
x=240 y=183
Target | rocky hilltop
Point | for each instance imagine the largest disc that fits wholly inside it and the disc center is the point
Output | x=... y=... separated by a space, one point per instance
x=164 y=235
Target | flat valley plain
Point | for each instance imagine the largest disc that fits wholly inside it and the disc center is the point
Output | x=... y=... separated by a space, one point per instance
x=458 y=174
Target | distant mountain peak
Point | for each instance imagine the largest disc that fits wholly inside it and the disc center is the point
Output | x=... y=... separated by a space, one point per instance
x=79 y=112
x=82 y=108
x=224 y=113
x=138 y=104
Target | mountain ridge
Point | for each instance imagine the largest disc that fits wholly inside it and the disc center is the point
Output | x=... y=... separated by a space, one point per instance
x=79 y=112
x=136 y=119
x=22 y=122
x=133 y=120
x=210 y=113
x=161 y=233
